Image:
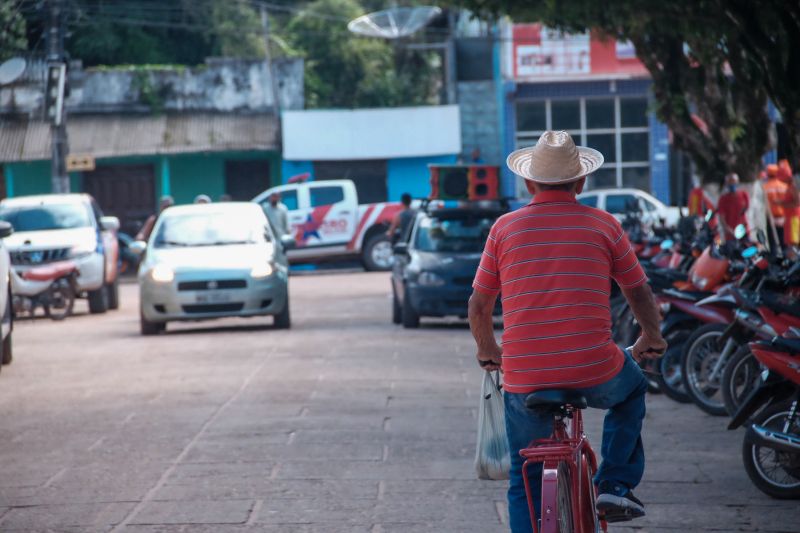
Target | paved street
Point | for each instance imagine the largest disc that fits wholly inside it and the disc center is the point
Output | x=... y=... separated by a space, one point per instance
x=344 y=423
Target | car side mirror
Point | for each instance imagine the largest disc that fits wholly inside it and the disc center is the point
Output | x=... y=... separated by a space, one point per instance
x=6 y=229
x=138 y=247
x=401 y=248
x=288 y=242
x=109 y=223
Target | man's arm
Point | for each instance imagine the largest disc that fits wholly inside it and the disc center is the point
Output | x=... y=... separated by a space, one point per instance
x=481 y=309
x=651 y=345
x=393 y=226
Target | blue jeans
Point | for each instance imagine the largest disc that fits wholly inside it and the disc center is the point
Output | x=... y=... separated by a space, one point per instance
x=622 y=451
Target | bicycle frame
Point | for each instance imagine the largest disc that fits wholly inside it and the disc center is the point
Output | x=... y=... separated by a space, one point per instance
x=567 y=445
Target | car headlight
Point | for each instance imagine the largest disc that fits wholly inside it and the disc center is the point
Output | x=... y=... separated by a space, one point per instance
x=699 y=281
x=162 y=274
x=429 y=279
x=262 y=270
x=82 y=249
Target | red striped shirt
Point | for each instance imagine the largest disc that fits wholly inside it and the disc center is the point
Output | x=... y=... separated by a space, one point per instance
x=552 y=262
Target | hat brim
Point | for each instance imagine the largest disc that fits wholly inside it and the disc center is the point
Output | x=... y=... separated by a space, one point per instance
x=519 y=161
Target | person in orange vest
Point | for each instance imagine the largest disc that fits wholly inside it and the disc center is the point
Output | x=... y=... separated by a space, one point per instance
x=775 y=191
x=791 y=205
x=699 y=203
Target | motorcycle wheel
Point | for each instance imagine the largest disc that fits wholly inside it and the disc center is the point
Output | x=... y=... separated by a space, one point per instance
x=775 y=473
x=739 y=379
x=670 y=377
x=700 y=354
x=60 y=302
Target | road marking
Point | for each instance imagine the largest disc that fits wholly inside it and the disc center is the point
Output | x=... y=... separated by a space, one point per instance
x=381 y=489
x=55 y=477
x=148 y=497
x=251 y=520
x=96 y=444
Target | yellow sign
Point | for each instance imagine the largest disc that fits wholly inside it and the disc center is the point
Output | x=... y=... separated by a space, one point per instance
x=76 y=162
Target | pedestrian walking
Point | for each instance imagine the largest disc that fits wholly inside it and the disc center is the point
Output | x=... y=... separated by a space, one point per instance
x=551 y=263
x=277 y=214
x=732 y=207
x=402 y=220
x=147 y=228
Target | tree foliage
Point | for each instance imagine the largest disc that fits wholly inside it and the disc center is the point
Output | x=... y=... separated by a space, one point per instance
x=12 y=30
x=701 y=64
x=346 y=71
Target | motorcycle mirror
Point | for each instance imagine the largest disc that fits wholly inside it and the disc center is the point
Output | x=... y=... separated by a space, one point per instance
x=749 y=252
x=666 y=244
x=740 y=231
x=760 y=237
x=709 y=215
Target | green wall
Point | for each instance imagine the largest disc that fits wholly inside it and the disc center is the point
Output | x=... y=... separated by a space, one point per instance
x=189 y=174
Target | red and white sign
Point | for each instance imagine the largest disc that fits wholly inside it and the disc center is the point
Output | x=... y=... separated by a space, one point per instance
x=539 y=53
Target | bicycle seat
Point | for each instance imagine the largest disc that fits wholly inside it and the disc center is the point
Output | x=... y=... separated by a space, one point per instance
x=555 y=399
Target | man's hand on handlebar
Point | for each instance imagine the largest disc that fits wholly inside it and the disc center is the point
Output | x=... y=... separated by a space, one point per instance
x=648 y=347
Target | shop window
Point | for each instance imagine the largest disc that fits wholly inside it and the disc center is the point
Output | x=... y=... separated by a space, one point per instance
x=605 y=143
x=531 y=116
x=566 y=114
x=636 y=177
x=600 y=114
x=603 y=178
x=635 y=147
x=633 y=112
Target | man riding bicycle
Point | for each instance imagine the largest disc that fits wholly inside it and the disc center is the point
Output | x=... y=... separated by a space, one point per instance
x=552 y=263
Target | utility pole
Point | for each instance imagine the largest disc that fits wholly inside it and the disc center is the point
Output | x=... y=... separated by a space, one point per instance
x=276 y=107
x=54 y=96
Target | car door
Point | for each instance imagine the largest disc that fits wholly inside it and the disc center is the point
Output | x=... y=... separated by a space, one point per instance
x=330 y=219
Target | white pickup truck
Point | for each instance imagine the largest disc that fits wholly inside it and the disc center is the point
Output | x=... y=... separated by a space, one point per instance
x=327 y=222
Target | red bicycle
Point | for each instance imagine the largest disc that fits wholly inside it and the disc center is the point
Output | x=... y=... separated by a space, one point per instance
x=569 y=465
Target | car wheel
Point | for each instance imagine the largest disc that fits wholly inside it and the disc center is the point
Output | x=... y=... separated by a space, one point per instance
x=397 y=311
x=377 y=254
x=410 y=315
x=150 y=328
x=283 y=320
x=98 y=300
x=113 y=294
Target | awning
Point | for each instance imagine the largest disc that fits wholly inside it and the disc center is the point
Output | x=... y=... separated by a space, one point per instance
x=126 y=135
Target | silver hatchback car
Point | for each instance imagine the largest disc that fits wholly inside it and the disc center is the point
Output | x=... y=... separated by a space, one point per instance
x=208 y=261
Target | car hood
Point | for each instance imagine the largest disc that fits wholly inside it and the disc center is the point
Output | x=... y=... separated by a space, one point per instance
x=204 y=258
x=451 y=263
x=56 y=238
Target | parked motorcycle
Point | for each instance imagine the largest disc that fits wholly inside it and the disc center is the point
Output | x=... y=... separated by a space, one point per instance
x=771 y=447
x=52 y=287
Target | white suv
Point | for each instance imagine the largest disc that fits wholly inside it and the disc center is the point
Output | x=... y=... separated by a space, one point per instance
x=55 y=227
x=618 y=201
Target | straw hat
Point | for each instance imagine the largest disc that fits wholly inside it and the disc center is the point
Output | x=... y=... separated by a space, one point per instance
x=555 y=159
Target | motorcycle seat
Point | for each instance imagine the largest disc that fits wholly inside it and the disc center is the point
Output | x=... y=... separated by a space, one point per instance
x=694 y=296
x=781 y=303
x=555 y=400
x=792 y=345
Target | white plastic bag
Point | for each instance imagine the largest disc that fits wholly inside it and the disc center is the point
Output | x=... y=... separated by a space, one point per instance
x=492 y=460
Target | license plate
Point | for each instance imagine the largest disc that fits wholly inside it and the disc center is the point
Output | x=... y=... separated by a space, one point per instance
x=213 y=298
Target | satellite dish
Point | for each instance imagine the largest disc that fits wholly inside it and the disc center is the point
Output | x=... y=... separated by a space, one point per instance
x=393 y=23
x=11 y=70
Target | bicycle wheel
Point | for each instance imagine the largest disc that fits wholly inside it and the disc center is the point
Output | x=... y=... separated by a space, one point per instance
x=588 y=517
x=564 y=505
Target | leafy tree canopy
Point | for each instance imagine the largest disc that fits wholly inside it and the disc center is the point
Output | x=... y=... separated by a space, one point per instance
x=12 y=30
x=703 y=62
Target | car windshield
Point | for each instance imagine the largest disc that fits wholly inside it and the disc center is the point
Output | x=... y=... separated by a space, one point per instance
x=455 y=235
x=210 y=229
x=47 y=217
